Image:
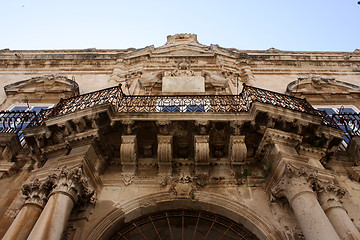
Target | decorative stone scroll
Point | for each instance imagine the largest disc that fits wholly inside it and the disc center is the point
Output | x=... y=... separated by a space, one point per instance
x=202 y=149
x=164 y=148
x=128 y=148
x=238 y=149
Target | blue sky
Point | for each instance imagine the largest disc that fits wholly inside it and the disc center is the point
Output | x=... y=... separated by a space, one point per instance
x=299 y=25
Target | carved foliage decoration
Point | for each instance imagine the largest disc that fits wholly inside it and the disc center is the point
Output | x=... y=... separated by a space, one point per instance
x=70 y=181
x=294 y=180
x=329 y=193
x=73 y=182
x=37 y=192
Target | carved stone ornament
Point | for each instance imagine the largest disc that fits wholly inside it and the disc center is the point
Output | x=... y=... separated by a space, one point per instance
x=214 y=79
x=72 y=182
x=37 y=192
x=318 y=84
x=164 y=148
x=238 y=149
x=128 y=77
x=128 y=148
x=42 y=87
x=329 y=187
x=234 y=77
x=149 y=81
x=247 y=74
x=183 y=186
x=128 y=179
x=329 y=193
x=202 y=148
x=294 y=180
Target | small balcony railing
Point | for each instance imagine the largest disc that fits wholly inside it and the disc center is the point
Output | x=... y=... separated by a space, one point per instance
x=179 y=103
x=15 y=121
x=349 y=123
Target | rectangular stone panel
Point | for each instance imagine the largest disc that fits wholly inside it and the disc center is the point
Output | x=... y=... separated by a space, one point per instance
x=183 y=84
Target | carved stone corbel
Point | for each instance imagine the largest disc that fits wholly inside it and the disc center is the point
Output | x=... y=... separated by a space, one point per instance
x=128 y=154
x=9 y=147
x=238 y=150
x=164 y=154
x=202 y=149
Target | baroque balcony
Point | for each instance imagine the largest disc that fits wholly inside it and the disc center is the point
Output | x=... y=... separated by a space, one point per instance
x=180 y=103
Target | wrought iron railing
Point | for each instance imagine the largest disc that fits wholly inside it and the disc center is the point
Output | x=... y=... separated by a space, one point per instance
x=348 y=122
x=15 y=122
x=179 y=103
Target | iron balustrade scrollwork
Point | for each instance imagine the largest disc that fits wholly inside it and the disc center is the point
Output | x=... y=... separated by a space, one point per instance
x=349 y=122
x=15 y=122
x=179 y=103
x=182 y=103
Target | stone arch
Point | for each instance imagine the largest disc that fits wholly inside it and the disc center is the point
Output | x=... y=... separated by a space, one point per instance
x=213 y=203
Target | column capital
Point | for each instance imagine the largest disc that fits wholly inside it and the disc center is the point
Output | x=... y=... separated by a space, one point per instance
x=37 y=192
x=294 y=181
x=73 y=183
x=329 y=193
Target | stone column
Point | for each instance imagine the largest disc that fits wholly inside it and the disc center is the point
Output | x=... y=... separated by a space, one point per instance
x=295 y=185
x=69 y=186
x=36 y=195
x=329 y=196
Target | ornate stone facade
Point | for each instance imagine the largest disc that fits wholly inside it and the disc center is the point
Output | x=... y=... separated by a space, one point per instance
x=181 y=148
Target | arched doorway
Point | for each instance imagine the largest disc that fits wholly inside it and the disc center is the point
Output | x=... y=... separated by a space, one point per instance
x=140 y=209
x=183 y=224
